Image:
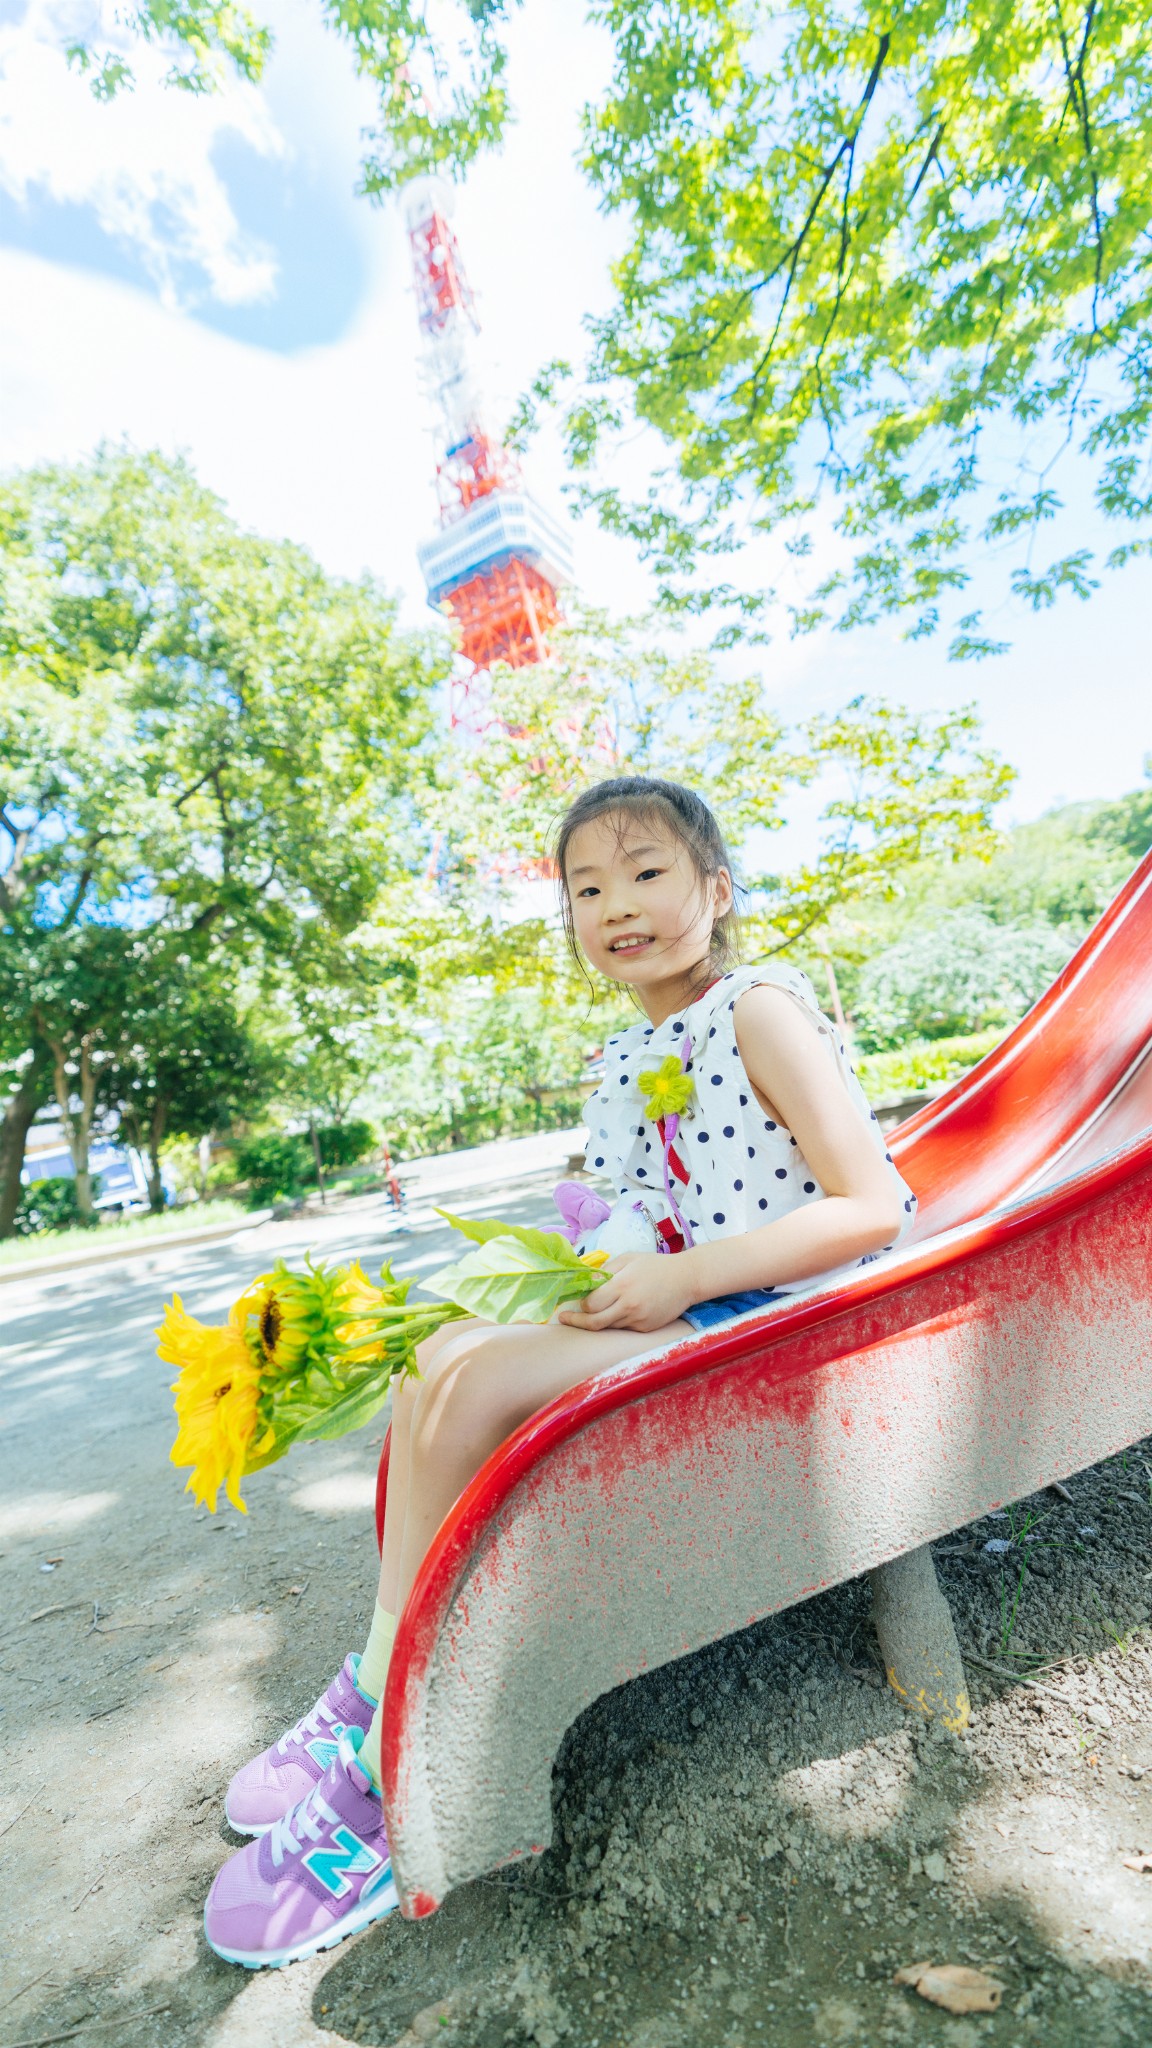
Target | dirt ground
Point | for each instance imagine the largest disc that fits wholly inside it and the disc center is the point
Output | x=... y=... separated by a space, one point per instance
x=747 y=1843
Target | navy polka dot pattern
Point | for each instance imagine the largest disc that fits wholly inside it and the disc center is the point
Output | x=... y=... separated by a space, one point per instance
x=749 y=1168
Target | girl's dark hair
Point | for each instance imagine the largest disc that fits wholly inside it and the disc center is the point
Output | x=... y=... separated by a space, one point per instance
x=682 y=813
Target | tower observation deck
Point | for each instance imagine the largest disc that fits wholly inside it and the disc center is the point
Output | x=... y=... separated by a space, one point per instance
x=499 y=559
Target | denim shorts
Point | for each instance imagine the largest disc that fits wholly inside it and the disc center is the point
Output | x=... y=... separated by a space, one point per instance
x=705 y=1315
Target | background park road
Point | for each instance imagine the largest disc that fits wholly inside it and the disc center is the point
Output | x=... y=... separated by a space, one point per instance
x=148 y=1647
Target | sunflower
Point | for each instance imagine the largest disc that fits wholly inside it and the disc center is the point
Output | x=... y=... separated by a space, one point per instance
x=360 y=1302
x=278 y=1310
x=216 y=1394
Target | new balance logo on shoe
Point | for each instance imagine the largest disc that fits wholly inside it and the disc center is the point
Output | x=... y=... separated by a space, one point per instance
x=336 y=1866
x=326 y=1747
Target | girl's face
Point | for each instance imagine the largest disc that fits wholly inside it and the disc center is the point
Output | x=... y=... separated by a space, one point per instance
x=641 y=912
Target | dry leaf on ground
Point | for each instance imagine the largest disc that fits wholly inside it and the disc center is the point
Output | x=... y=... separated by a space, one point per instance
x=953 y=1986
x=1138 y=1863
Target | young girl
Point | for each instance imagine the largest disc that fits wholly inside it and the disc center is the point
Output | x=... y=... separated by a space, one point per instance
x=775 y=1175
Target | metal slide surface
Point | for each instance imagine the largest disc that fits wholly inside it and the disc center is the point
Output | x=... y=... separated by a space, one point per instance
x=687 y=1494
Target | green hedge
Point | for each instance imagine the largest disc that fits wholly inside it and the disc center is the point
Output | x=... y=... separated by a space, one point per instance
x=279 y=1164
x=50 y=1205
x=924 y=1064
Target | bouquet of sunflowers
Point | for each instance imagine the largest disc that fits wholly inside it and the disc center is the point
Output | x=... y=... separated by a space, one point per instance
x=313 y=1353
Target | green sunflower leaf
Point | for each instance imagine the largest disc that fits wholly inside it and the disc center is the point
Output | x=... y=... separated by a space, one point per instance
x=547 y=1244
x=517 y=1277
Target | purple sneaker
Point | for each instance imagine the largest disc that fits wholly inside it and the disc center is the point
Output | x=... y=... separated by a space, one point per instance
x=281 y=1776
x=321 y=1874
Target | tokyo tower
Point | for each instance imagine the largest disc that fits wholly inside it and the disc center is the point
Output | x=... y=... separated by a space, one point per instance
x=499 y=559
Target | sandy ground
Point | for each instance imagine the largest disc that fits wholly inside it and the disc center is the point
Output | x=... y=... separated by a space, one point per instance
x=747 y=1844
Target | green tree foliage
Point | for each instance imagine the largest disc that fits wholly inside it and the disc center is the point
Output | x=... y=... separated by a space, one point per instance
x=1126 y=825
x=491 y=1054
x=961 y=973
x=205 y=39
x=502 y=1025
x=888 y=262
x=885 y=268
x=899 y=787
x=182 y=1057
x=976 y=938
x=209 y=755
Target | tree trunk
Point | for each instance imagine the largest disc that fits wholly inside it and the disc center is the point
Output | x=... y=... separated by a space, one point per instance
x=155 y=1135
x=34 y=1090
x=319 y=1162
x=78 y=1127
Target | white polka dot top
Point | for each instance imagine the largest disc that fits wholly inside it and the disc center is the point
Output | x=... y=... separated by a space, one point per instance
x=743 y=1168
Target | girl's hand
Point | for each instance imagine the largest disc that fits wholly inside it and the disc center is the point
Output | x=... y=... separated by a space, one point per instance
x=642 y=1294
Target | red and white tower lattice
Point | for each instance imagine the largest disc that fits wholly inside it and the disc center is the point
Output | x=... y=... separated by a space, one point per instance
x=499 y=559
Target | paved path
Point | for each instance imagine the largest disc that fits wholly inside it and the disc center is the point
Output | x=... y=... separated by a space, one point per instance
x=147 y=1648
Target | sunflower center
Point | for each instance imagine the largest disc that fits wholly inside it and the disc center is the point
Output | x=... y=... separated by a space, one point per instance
x=271 y=1324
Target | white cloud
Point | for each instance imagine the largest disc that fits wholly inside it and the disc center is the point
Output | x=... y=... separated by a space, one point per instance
x=142 y=162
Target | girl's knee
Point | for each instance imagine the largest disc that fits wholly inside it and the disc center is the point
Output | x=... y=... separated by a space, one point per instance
x=430 y=1348
x=466 y=1397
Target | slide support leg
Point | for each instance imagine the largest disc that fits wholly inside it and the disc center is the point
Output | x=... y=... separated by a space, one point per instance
x=918 y=1639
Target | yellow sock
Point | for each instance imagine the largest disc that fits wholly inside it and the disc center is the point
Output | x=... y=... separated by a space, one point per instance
x=370 y=1748
x=376 y=1657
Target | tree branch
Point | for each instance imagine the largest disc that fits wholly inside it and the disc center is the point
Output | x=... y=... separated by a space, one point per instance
x=1078 y=95
x=928 y=162
x=209 y=775
x=791 y=255
x=847 y=148
x=78 y=895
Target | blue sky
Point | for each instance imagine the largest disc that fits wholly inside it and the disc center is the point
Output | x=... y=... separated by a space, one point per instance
x=198 y=274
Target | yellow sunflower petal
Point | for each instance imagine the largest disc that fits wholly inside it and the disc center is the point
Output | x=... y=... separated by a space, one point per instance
x=215 y=1392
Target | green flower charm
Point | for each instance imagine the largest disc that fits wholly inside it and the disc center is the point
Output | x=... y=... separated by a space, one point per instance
x=667 y=1091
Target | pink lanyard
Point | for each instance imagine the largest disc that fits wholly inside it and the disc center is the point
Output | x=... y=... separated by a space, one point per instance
x=669 y=1131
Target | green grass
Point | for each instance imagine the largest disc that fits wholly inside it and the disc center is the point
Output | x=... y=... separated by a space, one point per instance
x=50 y=1244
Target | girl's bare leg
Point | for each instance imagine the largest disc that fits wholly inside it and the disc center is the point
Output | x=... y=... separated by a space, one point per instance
x=399 y=1462
x=481 y=1382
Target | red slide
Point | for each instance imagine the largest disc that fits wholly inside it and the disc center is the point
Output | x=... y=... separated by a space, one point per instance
x=687 y=1494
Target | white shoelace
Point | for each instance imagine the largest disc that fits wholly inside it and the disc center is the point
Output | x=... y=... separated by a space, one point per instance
x=308 y=1820
x=312 y=1724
